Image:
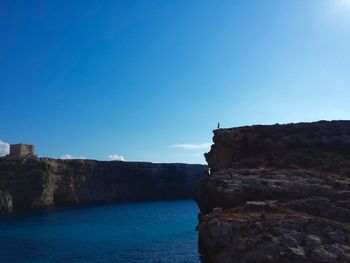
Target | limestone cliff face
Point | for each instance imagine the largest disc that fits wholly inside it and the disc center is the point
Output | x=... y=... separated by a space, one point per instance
x=278 y=193
x=39 y=182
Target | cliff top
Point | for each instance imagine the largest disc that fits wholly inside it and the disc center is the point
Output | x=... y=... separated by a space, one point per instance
x=299 y=125
x=323 y=145
x=48 y=159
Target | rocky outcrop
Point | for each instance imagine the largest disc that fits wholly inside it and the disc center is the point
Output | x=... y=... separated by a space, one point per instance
x=278 y=193
x=5 y=203
x=322 y=146
x=40 y=182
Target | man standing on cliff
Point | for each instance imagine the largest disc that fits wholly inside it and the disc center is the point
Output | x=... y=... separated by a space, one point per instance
x=218 y=125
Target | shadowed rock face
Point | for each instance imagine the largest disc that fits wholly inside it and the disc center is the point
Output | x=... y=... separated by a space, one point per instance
x=277 y=193
x=5 y=203
x=35 y=183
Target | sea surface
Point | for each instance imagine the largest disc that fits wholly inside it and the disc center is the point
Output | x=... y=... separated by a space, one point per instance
x=137 y=232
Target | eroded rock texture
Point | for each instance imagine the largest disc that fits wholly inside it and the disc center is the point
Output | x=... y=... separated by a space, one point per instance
x=322 y=146
x=5 y=203
x=277 y=193
x=39 y=182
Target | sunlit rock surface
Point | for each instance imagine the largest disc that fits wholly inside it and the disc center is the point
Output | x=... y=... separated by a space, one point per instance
x=277 y=193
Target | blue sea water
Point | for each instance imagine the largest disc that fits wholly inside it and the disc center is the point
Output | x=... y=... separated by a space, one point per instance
x=137 y=232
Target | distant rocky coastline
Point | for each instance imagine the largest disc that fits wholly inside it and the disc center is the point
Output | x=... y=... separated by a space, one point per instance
x=277 y=193
x=32 y=183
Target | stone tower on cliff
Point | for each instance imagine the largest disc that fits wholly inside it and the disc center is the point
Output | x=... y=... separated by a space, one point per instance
x=21 y=150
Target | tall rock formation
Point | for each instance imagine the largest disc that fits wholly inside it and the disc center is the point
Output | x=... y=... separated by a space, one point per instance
x=28 y=183
x=278 y=193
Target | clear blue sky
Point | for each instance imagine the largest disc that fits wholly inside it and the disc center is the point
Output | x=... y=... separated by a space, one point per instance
x=137 y=78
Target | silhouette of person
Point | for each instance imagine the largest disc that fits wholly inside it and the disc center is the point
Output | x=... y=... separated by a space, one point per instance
x=218 y=125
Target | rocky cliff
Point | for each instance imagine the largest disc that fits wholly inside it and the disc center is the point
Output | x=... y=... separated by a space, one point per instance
x=27 y=183
x=278 y=193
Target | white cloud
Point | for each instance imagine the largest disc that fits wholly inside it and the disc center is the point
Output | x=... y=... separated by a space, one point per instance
x=116 y=157
x=4 y=148
x=185 y=146
x=68 y=157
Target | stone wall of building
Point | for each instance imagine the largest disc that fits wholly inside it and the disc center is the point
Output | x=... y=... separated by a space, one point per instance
x=19 y=150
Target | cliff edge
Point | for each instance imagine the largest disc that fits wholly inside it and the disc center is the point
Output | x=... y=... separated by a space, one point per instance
x=277 y=193
x=29 y=183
